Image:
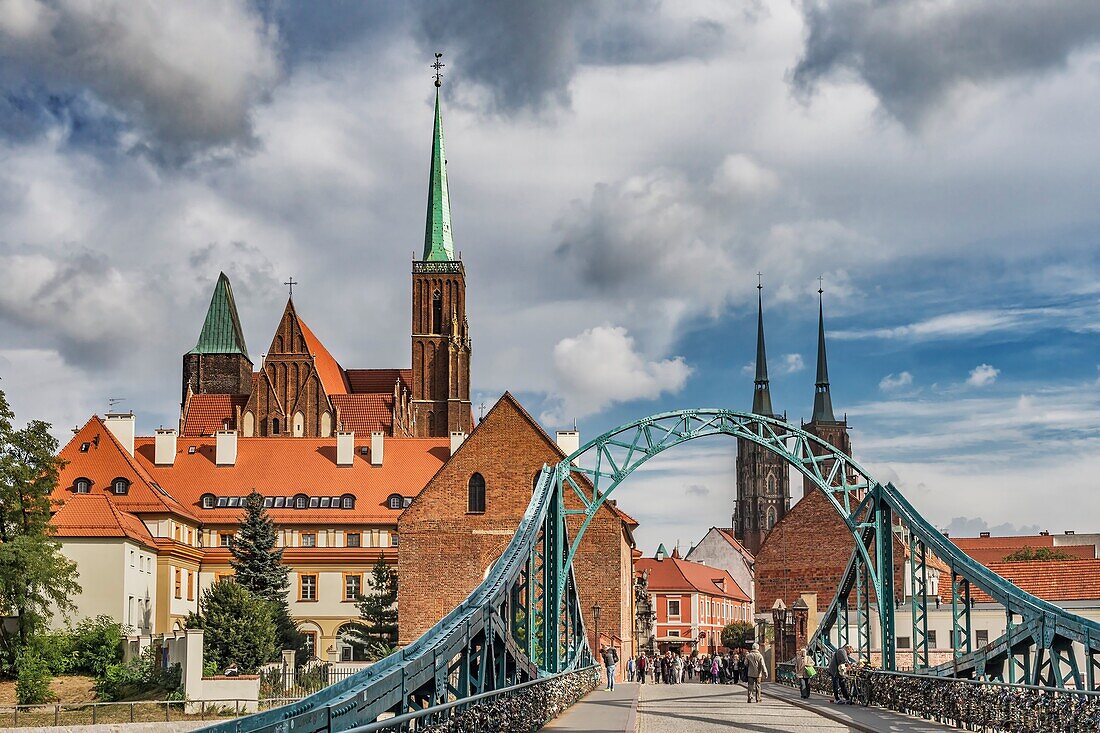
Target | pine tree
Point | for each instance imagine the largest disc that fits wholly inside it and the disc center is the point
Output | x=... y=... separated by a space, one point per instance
x=239 y=627
x=35 y=577
x=258 y=565
x=376 y=632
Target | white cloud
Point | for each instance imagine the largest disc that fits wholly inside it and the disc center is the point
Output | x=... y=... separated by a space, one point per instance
x=792 y=363
x=891 y=382
x=982 y=375
x=601 y=366
x=739 y=177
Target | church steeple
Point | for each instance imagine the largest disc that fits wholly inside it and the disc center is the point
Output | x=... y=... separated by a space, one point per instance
x=221 y=330
x=438 y=246
x=823 y=402
x=219 y=363
x=761 y=395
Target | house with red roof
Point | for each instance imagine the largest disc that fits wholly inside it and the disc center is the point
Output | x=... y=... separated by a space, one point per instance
x=693 y=601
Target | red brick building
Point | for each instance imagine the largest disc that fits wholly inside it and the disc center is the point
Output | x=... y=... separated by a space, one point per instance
x=461 y=522
x=693 y=601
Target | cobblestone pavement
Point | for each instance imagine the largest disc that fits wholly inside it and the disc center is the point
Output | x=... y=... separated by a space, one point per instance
x=705 y=708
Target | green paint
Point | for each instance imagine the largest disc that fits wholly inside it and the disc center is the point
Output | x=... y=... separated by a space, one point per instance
x=438 y=245
x=221 y=331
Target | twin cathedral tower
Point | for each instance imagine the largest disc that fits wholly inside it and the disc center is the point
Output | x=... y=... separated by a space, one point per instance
x=300 y=389
x=763 y=478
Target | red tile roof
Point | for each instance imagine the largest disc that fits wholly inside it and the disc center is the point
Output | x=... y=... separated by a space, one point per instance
x=93 y=515
x=364 y=413
x=377 y=380
x=988 y=550
x=328 y=369
x=1051 y=580
x=683 y=575
x=289 y=466
x=207 y=413
x=103 y=462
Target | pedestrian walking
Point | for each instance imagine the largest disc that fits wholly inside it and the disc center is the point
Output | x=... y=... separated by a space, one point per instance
x=838 y=668
x=610 y=659
x=643 y=665
x=714 y=670
x=678 y=669
x=804 y=670
x=756 y=671
x=630 y=666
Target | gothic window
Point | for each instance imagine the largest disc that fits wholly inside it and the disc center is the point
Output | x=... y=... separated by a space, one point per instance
x=82 y=486
x=299 y=425
x=249 y=424
x=437 y=312
x=326 y=425
x=274 y=426
x=771 y=484
x=475 y=501
x=771 y=518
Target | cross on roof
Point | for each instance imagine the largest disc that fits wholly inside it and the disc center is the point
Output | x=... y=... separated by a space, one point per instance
x=438 y=66
x=820 y=279
x=759 y=280
x=291 y=282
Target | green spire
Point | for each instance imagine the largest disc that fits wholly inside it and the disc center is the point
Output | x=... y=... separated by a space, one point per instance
x=823 y=402
x=761 y=395
x=221 y=331
x=438 y=246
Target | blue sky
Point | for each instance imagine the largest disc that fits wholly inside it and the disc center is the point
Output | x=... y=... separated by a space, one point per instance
x=619 y=172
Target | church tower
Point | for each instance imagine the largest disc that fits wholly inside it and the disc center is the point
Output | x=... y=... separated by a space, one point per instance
x=440 y=334
x=219 y=363
x=824 y=424
x=763 y=479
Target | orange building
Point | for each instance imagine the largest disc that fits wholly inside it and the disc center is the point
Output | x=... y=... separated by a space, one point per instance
x=694 y=602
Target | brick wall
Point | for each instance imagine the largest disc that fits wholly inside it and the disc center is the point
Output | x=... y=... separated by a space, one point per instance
x=446 y=552
x=217 y=374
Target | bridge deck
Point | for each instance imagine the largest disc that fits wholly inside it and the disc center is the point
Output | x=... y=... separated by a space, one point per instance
x=712 y=708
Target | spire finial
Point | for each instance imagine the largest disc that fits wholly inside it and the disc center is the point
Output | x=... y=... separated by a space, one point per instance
x=438 y=66
x=290 y=283
x=820 y=280
x=759 y=281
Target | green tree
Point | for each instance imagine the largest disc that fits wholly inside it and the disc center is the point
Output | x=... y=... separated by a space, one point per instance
x=239 y=627
x=376 y=631
x=36 y=579
x=258 y=566
x=738 y=634
x=1033 y=554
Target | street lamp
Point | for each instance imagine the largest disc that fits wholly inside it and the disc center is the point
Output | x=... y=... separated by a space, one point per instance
x=596 y=619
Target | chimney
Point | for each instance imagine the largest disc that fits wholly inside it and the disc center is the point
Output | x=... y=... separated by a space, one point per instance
x=164 y=449
x=983 y=534
x=1070 y=531
x=345 y=447
x=457 y=438
x=1045 y=533
x=121 y=426
x=225 y=447
x=377 y=445
x=569 y=441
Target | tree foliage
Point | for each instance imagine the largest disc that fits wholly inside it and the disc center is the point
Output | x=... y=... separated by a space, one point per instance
x=376 y=631
x=36 y=579
x=1033 y=554
x=258 y=565
x=738 y=634
x=239 y=627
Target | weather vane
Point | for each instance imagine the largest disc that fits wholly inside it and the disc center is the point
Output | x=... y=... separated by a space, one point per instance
x=438 y=66
x=290 y=283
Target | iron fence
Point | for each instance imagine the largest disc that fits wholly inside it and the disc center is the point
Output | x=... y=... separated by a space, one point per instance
x=522 y=708
x=977 y=705
x=137 y=711
x=286 y=682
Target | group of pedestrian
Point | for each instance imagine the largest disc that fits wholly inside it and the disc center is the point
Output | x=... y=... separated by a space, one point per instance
x=840 y=666
x=729 y=668
x=667 y=668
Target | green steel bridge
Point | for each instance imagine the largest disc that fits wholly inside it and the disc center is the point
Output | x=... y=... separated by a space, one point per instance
x=525 y=623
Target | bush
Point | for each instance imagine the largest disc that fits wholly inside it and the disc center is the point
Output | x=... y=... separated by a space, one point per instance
x=56 y=650
x=97 y=644
x=138 y=677
x=32 y=684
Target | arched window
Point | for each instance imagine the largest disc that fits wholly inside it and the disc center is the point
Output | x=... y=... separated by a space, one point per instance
x=771 y=518
x=326 y=425
x=300 y=501
x=395 y=501
x=207 y=501
x=437 y=312
x=274 y=426
x=249 y=425
x=348 y=501
x=299 y=425
x=82 y=485
x=771 y=484
x=120 y=486
x=475 y=497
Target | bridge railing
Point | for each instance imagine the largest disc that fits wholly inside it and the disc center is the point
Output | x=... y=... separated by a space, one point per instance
x=524 y=707
x=969 y=704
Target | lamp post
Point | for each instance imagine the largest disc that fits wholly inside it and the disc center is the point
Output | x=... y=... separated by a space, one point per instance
x=596 y=620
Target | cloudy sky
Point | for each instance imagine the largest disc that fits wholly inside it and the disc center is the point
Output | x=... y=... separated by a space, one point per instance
x=619 y=172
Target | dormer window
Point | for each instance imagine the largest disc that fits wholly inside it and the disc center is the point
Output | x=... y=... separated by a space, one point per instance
x=207 y=501
x=396 y=501
x=82 y=486
x=348 y=501
x=120 y=486
x=85 y=446
x=300 y=501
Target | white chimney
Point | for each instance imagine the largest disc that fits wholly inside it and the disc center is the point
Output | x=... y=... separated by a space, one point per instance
x=345 y=447
x=225 y=447
x=457 y=438
x=569 y=441
x=122 y=426
x=377 y=444
x=164 y=449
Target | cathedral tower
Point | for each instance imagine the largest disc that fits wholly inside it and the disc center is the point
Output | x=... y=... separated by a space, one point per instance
x=763 y=479
x=219 y=363
x=824 y=424
x=440 y=334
